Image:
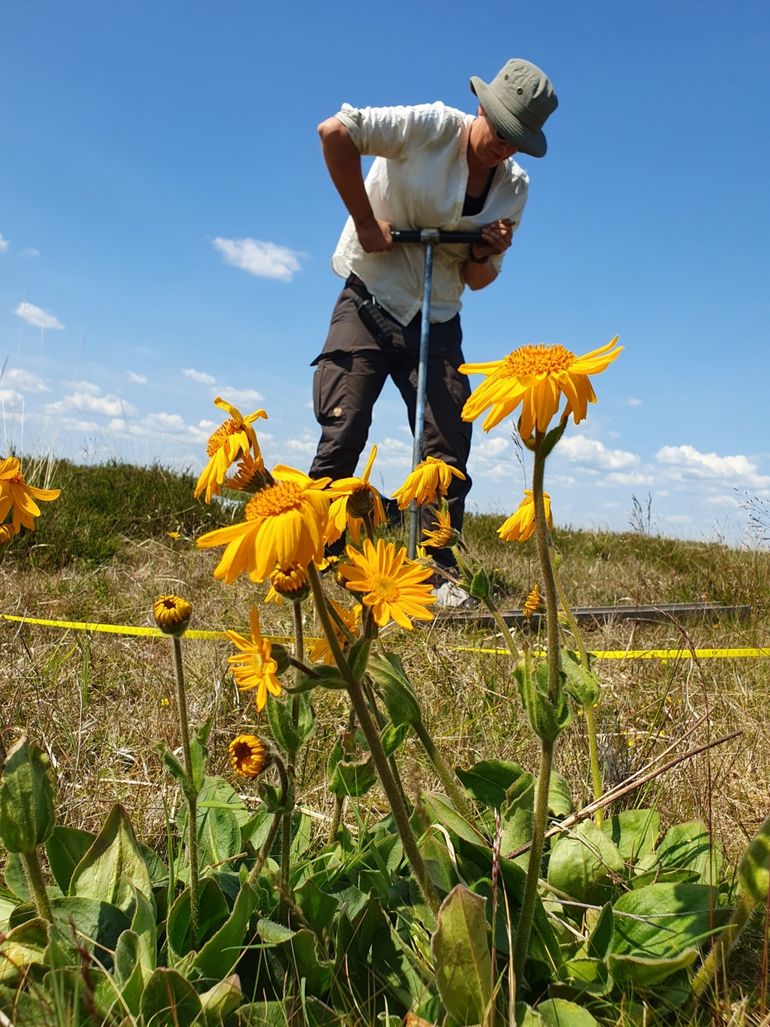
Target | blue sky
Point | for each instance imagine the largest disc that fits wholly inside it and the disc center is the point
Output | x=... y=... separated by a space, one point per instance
x=145 y=144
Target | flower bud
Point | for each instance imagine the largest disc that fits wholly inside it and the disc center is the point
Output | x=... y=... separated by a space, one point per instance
x=172 y=614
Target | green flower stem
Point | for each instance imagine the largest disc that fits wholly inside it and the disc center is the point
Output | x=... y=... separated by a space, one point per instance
x=291 y=755
x=505 y=631
x=593 y=747
x=339 y=800
x=34 y=875
x=361 y=707
x=192 y=798
x=369 y=526
x=459 y=799
x=264 y=852
x=546 y=747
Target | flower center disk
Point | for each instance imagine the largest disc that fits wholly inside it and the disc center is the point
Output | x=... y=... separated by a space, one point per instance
x=274 y=500
x=537 y=359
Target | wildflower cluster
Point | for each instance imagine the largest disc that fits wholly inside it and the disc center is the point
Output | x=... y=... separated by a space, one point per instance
x=18 y=508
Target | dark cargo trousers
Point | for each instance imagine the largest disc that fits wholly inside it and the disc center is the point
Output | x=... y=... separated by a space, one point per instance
x=350 y=374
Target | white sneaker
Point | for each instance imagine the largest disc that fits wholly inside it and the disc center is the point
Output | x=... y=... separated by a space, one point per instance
x=451 y=596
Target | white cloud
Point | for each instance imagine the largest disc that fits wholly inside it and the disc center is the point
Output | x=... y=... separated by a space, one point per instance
x=487 y=448
x=198 y=376
x=11 y=396
x=684 y=461
x=37 y=317
x=4 y=244
x=85 y=401
x=137 y=379
x=263 y=259
x=84 y=386
x=24 y=380
x=591 y=451
x=306 y=445
x=632 y=401
x=30 y=252
x=633 y=478
x=241 y=397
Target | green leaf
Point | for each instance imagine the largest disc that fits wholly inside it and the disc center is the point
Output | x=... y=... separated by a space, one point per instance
x=551 y=439
x=583 y=685
x=129 y=975
x=199 y=752
x=481 y=586
x=212 y=913
x=223 y=950
x=220 y=814
x=113 y=866
x=489 y=780
x=600 y=938
x=634 y=832
x=517 y=831
x=392 y=683
x=358 y=657
x=582 y=864
x=754 y=869
x=441 y=811
x=177 y=771
x=22 y=947
x=144 y=927
x=305 y=720
x=547 y=717
x=84 y=923
x=349 y=773
x=318 y=907
x=559 y=796
x=393 y=737
x=281 y=727
x=689 y=847
x=27 y=815
x=169 y=1000
x=460 y=947
x=658 y=930
x=65 y=849
x=588 y=975
x=558 y=1012
x=221 y=1000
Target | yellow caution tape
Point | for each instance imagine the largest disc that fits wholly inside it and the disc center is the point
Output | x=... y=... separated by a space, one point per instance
x=609 y=654
x=123 y=629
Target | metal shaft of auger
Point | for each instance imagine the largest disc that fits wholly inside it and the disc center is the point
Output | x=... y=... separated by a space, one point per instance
x=422 y=383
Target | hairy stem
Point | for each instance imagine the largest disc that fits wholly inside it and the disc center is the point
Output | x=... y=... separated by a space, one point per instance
x=192 y=798
x=34 y=875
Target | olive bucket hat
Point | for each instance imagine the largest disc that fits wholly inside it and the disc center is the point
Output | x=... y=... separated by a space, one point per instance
x=518 y=101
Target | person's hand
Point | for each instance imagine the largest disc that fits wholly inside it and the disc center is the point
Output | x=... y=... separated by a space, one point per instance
x=374 y=236
x=497 y=238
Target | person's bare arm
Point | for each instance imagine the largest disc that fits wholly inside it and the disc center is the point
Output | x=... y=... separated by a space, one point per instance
x=344 y=163
x=497 y=238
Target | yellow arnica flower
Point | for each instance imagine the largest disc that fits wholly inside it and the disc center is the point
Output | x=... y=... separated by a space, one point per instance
x=536 y=375
x=532 y=602
x=395 y=588
x=289 y=583
x=248 y=755
x=253 y=665
x=249 y=475
x=172 y=614
x=430 y=477
x=320 y=651
x=443 y=535
x=231 y=439
x=354 y=497
x=17 y=496
x=285 y=524
x=520 y=526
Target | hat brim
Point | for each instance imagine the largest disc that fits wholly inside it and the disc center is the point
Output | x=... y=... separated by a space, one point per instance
x=524 y=139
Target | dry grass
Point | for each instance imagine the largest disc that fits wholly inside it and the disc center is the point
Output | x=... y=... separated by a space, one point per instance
x=103 y=704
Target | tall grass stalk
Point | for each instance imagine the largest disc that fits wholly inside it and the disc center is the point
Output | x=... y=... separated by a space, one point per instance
x=190 y=792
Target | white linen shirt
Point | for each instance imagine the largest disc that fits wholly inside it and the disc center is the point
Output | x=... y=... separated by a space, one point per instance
x=419 y=180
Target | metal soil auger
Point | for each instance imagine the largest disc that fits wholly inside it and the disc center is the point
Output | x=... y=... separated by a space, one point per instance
x=427 y=237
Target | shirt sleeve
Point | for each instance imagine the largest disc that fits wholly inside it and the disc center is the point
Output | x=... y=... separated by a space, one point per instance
x=393 y=132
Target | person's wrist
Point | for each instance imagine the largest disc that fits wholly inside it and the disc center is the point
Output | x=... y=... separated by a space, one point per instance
x=473 y=259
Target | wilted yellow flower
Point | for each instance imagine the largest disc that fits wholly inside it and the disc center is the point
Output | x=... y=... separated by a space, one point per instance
x=231 y=439
x=172 y=614
x=289 y=583
x=521 y=525
x=248 y=755
x=444 y=534
x=429 y=477
x=18 y=497
x=320 y=651
x=532 y=602
x=253 y=666
x=395 y=588
x=284 y=525
x=536 y=375
x=352 y=498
